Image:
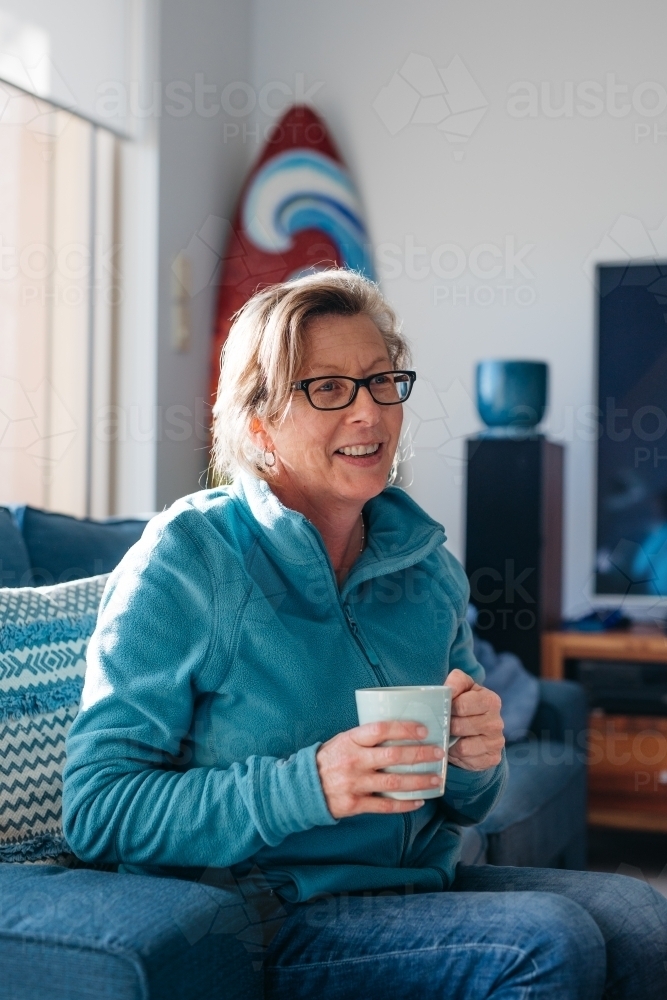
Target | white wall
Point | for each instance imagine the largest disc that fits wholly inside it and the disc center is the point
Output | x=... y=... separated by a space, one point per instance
x=89 y=44
x=114 y=62
x=204 y=44
x=559 y=184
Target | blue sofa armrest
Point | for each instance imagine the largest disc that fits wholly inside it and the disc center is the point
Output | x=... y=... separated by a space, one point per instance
x=562 y=713
x=75 y=934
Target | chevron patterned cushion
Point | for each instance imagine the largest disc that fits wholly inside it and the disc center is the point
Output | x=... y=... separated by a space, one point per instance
x=44 y=633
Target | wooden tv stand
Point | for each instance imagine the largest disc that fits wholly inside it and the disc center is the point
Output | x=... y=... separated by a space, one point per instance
x=627 y=754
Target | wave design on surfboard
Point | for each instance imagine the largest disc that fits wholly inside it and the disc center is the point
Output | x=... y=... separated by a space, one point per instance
x=299 y=190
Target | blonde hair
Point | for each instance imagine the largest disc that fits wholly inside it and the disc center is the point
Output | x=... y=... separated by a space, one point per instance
x=265 y=350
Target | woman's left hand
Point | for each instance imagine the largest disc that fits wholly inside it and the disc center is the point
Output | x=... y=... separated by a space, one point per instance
x=476 y=719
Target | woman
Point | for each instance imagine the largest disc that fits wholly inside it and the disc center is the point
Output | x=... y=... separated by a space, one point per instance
x=218 y=728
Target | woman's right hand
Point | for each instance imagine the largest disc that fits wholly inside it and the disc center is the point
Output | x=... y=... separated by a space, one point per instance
x=350 y=767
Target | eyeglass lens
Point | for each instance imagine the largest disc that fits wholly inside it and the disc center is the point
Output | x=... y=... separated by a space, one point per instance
x=386 y=388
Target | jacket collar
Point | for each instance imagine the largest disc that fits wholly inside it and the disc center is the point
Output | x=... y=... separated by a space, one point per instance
x=400 y=533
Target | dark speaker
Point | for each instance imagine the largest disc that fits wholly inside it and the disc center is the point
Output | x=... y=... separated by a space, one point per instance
x=514 y=516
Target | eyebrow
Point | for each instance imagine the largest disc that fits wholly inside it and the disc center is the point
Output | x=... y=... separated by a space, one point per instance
x=332 y=371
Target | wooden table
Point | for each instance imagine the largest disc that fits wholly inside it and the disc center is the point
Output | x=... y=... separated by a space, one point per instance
x=627 y=754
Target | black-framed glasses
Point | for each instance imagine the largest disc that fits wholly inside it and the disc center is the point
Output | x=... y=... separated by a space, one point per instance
x=335 y=392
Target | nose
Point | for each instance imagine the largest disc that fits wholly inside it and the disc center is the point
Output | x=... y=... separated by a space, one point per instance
x=364 y=407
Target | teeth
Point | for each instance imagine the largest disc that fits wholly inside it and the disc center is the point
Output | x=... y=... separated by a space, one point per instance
x=360 y=449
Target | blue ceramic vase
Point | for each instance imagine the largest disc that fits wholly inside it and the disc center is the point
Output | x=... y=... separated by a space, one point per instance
x=512 y=396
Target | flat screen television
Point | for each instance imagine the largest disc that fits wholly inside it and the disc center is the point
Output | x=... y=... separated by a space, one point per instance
x=631 y=551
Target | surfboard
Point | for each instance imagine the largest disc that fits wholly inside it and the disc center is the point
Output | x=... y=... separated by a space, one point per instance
x=298 y=212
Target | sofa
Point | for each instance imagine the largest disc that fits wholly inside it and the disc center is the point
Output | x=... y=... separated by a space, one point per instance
x=39 y=548
x=69 y=930
x=540 y=821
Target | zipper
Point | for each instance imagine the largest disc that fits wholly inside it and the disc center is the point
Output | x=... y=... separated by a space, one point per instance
x=367 y=650
x=407 y=830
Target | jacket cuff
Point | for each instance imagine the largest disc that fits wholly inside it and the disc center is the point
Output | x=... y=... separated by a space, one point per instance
x=469 y=784
x=288 y=795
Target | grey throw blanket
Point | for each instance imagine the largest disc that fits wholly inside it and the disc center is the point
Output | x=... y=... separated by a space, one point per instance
x=519 y=691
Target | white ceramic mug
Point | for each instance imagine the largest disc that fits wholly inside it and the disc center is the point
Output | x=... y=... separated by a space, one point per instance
x=429 y=704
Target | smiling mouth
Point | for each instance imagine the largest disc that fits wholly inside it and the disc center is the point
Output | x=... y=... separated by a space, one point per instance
x=358 y=450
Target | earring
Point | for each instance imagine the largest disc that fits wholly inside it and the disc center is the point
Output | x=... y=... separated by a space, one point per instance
x=269 y=458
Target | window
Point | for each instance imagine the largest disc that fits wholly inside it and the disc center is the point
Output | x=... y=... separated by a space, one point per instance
x=59 y=291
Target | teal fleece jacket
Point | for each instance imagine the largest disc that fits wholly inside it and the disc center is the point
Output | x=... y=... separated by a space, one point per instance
x=224 y=655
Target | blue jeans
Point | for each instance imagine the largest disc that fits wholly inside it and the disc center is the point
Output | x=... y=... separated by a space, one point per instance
x=501 y=933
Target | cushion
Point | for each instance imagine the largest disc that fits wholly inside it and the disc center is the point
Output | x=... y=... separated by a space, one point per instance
x=79 y=935
x=64 y=548
x=14 y=560
x=44 y=634
x=519 y=691
x=543 y=807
